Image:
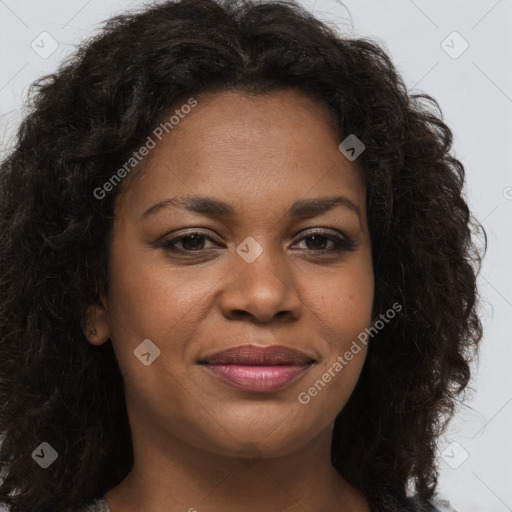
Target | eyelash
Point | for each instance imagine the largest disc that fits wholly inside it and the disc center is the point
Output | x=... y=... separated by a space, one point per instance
x=340 y=243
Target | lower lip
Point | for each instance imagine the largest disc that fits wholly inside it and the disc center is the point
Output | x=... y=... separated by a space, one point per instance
x=258 y=378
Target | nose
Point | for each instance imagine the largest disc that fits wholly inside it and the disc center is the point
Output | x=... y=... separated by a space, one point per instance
x=262 y=290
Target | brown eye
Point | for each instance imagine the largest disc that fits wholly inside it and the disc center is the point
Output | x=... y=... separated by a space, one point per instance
x=193 y=242
x=318 y=241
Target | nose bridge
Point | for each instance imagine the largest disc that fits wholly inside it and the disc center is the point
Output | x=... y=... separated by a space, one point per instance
x=262 y=282
x=261 y=262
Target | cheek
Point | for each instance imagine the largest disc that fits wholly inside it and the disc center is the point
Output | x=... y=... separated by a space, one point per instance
x=344 y=313
x=148 y=297
x=344 y=304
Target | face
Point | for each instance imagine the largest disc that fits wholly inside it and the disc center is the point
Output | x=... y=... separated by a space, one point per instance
x=197 y=279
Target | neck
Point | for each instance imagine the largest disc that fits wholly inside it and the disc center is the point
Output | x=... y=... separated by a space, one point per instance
x=169 y=474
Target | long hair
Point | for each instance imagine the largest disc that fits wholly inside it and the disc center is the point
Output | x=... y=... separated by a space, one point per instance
x=85 y=120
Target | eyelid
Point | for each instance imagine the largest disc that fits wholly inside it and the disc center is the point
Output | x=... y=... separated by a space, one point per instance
x=181 y=233
x=322 y=231
x=341 y=240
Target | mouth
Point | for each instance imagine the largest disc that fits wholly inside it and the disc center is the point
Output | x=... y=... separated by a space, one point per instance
x=258 y=369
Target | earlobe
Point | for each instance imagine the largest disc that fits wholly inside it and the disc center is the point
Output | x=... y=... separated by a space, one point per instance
x=95 y=327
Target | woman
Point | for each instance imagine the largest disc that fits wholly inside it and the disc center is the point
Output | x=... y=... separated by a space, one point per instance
x=238 y=273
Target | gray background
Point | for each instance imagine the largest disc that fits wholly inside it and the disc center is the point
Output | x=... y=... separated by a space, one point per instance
x=474 y=89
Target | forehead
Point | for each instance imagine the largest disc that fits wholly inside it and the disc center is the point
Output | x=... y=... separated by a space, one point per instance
x=249 y=149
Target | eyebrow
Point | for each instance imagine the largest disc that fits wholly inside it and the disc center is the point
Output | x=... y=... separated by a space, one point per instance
x=213 y=207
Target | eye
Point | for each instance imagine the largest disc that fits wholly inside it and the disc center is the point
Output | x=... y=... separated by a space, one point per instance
x=192 y=242
x=318 y=241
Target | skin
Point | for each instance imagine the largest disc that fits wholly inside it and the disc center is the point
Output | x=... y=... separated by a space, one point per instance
x=193 y=434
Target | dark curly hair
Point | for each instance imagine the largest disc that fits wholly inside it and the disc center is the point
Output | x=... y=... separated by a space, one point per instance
x=86 y=119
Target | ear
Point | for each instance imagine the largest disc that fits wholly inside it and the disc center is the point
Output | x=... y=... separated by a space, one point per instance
x=95 y=326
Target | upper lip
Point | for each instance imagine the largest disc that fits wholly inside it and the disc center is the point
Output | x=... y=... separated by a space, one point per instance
x=257 y=355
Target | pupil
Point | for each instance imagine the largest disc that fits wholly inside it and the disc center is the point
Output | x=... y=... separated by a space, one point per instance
x=193 y=242
x=316 y=238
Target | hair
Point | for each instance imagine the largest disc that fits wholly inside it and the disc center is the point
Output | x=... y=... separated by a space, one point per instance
x=86 y=119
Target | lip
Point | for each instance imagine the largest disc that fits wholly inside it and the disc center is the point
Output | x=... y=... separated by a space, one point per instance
x=258 y=369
